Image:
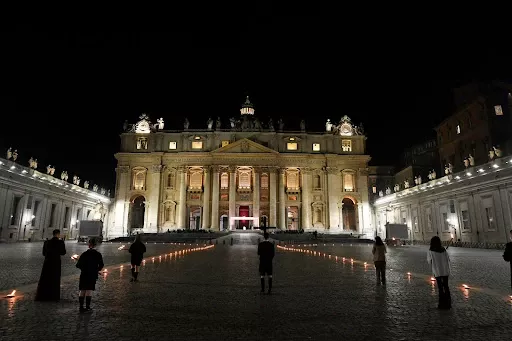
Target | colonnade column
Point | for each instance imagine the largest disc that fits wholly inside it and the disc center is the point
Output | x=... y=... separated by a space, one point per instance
x=183 y=198
x=215 y=199
x=333 y=185
x=232 y=196
x=282 y=198
x=206 y=198
x=306 y=204
x=273 y=198
x=256 y=198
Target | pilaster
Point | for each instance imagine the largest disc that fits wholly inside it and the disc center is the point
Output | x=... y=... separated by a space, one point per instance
x=182 y=204
x=206 y=198
x=273 y=197
x=215 y=198
x=282 y=198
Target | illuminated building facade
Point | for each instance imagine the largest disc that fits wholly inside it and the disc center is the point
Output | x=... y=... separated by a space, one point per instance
x=248 y=175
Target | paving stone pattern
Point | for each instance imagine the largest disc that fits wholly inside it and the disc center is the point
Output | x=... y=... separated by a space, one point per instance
x=214 y=295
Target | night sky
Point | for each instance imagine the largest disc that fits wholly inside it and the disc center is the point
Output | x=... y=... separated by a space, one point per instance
x=67 y=94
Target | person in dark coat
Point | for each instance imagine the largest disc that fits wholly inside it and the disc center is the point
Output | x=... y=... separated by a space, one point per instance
x=48 y=288
x=90 y=263
x=507 y=255
x=266 y=253
x=137 y=250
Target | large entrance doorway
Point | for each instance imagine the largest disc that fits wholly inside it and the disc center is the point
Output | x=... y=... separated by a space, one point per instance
x=293 y=218
x=349 y=214
x=137 y=213
x=194 y=218
x=243 y=211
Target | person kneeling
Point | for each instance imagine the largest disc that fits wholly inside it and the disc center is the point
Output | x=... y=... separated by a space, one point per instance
x=90 y=263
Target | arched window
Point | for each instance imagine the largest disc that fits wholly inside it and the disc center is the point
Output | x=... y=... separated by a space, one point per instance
x=224 y=180
x=349 y=181
x=139 y=178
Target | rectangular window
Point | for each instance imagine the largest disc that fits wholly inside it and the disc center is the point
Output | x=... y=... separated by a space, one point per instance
x=173 y=145
x=415 y=222
x=225 y=143
x=224 y=181
x=348 y=182
x=316 y=147
x=374 y=190
x=34 y=213
x=264 y=181
x=346 y=145
x=498 y=110
x=52 y=215
x=14 y=210
x=142 y=143
x=291 y=146
x=429 y=219
x=197 y=145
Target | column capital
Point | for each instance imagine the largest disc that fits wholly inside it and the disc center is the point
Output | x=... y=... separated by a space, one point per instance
x=123 y=169
x=282 y=171
x=232 y=169
x=305 y=170
x=182 y=169
x=156 y=168
x=215 y=169
x=332 y=170
x=206 y=169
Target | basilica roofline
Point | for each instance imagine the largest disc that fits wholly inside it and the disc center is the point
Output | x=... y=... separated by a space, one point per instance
x=207 y=131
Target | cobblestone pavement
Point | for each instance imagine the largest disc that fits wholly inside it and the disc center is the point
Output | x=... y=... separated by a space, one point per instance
x=213 y=294
x=21 y=263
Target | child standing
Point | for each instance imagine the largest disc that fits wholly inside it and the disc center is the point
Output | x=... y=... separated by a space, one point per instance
x=137 y=250
x=438 y=259
x=379 y=259
x=90 y=263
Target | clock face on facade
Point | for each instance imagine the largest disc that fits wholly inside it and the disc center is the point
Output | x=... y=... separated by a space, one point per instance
x=346 y=129
x=142 y=127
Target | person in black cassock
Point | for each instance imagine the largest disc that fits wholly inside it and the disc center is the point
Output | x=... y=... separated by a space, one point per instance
x=266 y=253
x=137 y=250
x=90 y=262
x=507 y=255
x=48 y=288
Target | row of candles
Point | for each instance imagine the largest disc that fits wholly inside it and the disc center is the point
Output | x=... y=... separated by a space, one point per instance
x=298 y=248
x=177 y=253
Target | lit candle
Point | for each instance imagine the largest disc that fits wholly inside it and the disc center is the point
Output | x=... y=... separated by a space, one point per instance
x=74 y=257
x=12 y=294
x=432 y=279
x=121 y=247
x=465 y=286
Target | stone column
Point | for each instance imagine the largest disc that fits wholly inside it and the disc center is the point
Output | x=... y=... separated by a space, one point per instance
x=273 y=198
x=256 y=197
x=183 y=198
x=340 y=211
x=306 y=202
x=232 y=196
x=206 y=198
x=121 y=208
x=282 y=198
x=333 y=185
x=153 y=198
x=215 y=199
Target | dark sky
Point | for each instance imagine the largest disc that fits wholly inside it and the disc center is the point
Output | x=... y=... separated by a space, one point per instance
x=67 y=93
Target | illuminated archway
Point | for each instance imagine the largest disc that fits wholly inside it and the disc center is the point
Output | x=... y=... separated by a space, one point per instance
x=349 y=213
x=137 y=213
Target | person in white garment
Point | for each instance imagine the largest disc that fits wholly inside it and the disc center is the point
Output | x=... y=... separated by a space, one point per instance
x=438 y=258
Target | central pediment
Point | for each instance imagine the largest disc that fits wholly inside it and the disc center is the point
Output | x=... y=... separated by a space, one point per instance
x=244 y=146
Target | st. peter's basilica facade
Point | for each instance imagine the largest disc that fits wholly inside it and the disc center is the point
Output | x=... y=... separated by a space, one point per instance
x=244 y=176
